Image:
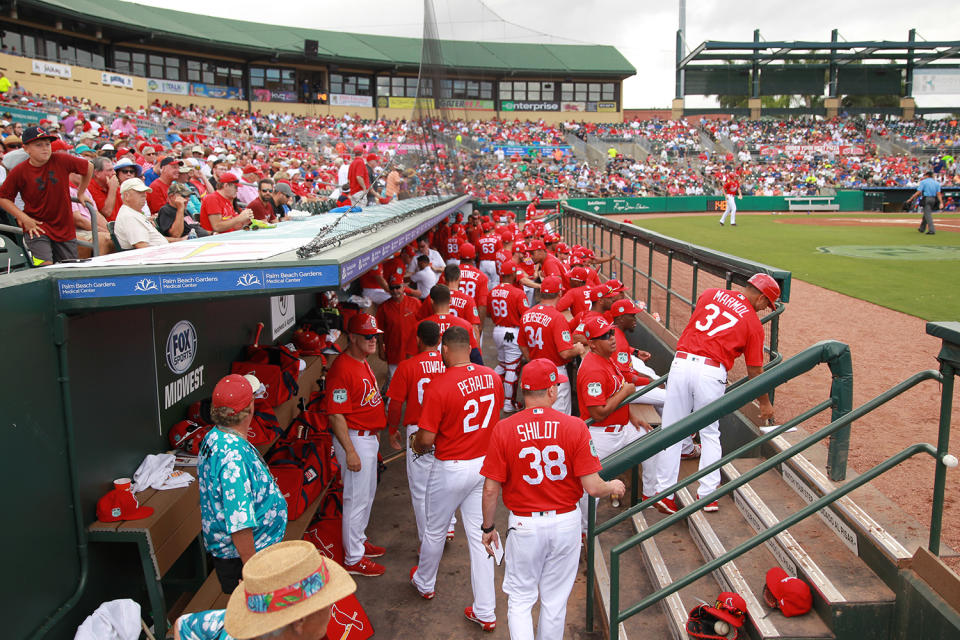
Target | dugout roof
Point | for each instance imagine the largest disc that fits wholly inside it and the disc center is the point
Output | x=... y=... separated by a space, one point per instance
x=261 y=40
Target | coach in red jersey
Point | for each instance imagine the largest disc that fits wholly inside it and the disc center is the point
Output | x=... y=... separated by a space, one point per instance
x=440 y=296
x=507 y=305
x=578 y=298
x=459 y=407
x=357 y=414
x=544 y=333
x=724 y=325
x=543 y=461
x=397 y=319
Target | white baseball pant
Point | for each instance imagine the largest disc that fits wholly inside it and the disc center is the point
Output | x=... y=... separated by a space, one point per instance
x=376 y=296
x=508 y=358
x=489 y=268
x=529 y=293
x=542 y=554
x=452 y=485
x=692 y=385
x=731 y=209
x=563 y=392
x=418 y=472
x=359 y=489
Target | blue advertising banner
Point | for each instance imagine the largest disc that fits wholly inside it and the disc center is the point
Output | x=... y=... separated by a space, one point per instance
x=198 y=282
x=525 y=150
x=215 y=91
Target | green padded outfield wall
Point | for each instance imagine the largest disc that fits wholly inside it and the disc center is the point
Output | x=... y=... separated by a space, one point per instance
x=847 y=200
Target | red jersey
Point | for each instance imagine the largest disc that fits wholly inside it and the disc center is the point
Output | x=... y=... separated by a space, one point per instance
x=577 y=300
x=723 y=326
x=440 y=240
x=371 y=279
x=393 y=266
x=46 y=193
x=447 y=320
x=410 y=380
x=99 y=195
x=731 y=186
x=453 y=245
x=578 y=321
x=539 y=456
x=357 y=169
x=488 y=247
x=551 y=266
x=544 y=331
x=473 y=234
x=622 y=360
x=461 y=305
x=507 y=305
x=157 y=196
x=460 y=406
x=597 y=380
x=474 y=283
x=215 y=205
x=353 y=393
x=398 y=320
x=501 y=256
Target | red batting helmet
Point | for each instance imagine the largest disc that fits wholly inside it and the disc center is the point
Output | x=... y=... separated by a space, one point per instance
x=187 y=435
x=767 y=286
x=308 y=342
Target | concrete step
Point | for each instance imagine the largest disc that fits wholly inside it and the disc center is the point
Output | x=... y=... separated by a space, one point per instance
x=850 y=598
x=717 y=533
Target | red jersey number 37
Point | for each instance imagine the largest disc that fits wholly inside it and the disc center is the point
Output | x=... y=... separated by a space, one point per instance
x=716 y=320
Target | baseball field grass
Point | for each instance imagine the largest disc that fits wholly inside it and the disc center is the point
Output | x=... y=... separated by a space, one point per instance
x=892 y=266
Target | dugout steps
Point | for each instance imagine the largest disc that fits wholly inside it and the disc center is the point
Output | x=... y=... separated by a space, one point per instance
x=840 y=555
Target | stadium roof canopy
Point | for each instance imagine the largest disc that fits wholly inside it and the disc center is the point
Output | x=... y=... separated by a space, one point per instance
x=257 y=40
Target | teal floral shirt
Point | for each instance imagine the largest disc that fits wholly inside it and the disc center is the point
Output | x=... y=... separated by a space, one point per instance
x=237 y=492
x=206 y=625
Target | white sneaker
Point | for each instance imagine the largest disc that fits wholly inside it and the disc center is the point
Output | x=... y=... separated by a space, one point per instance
x=508 y=407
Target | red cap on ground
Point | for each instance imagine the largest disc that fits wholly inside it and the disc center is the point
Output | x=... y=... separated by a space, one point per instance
x=540 y=374
x=363 y=324
x=551 y=284
x=233 y=391
x=596 y=327
x=119 y=505
x=730 y=607
x=468 y=251
x=791 y=595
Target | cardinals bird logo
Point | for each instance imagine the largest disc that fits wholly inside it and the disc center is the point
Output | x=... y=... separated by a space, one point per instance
x=371 y=395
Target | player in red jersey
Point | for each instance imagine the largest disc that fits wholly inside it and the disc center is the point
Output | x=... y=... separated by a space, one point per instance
x=397 y=318
x=544 y=333
x=731 y=187
x=549 y=265
x=459 y=407
x=543 y=461
x=408 y=386
x=472 y=281
x=578 y=298
x=356 y=413
x=507 y=306
x=724 y=325
x=461 y=305
x=488 y=245
x=374 y=285
x=440 y=297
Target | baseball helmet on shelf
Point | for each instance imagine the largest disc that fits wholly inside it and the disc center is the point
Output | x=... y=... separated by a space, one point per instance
x=767 y=286
x=187 y=435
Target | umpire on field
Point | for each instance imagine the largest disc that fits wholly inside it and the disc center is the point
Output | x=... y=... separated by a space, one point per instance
x=929 y=190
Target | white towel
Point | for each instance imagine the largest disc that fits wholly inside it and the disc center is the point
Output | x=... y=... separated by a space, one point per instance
x=156 y=472
x=114 y=620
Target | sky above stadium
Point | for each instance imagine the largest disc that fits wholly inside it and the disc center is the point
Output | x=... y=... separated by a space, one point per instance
x=643 y=31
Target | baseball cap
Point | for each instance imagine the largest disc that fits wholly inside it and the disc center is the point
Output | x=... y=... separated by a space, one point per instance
x=730 y=607
x=32 y=134
x=251 y=169
x=578 y=273
x=184 y=168
x=178 y=189
x=508 y=268
x=550 y=284
x=168 y=160
x=229 y=178
x=134 y=184
x=507 y=236
x=284 y=188
x=363 y=324
x=562 y=248
x=540 y=374
x=372 y=157
x=623 y=307
x=614 y=286
x=596 y=327
x=535 y=244
x=791 y=595
x=197 y=149
x=395 y=280
x=119 y=505
x=468 y=251
x=234 y=392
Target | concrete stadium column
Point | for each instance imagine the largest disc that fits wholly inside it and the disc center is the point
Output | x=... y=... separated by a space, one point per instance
x=676 y=109
x=755 y=105
x=908 y=107
x=833 y=106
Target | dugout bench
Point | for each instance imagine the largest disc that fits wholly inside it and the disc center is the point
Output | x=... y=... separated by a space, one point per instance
x=812 y=203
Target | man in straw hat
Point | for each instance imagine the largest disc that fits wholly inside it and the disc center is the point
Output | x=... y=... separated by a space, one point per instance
x=287 y=592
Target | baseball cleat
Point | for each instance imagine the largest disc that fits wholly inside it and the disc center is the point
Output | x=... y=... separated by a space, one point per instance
x=366 y=567
x=712 y=507
x=692 y=454
x=486 y=626
x=733 y=224
x=721 y=224
x=666 y=505
x=372 y=550
x=426 y=596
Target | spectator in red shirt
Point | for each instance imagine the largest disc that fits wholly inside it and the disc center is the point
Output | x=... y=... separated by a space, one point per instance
x=105 y=187
x=217 y=213
x=357 y=175
x=43 y=181
x=169 y=172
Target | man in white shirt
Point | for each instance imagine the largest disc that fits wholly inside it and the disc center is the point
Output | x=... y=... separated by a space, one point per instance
x=424 y=277
x=133 y=229
x=424 y=249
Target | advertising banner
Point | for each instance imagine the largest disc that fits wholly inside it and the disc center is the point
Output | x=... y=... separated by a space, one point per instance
x=606 y=107
x=805 y=149
x=573 y=107
x=399 y=102
x=521 y=150
x=522 y=105
x=116 y=80
x=345 y=100
x=52 y=69
x=942 y=82
x=156 y=85
x=215 y=91
x=274 y=95
x=469 y=105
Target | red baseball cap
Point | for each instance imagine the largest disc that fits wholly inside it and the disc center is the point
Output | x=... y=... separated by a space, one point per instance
x=551 y=284
x=507 y=236
x=395 y=279
x=540 y=374
x=363 y=324
x=562 y=248
x=535 y=244
x=251 y=169
x=623 y=308
x=509 y=268
x=791 y=595
x=614 y=286
x=596 y=327
x=731 y=608
x=119 y=505
x=578 y=273
x=372 y=157
x=468 y=251
x=233 y=391
x=228 y=178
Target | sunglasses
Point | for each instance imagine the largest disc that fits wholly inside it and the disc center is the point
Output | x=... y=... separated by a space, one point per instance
x=126 y=170
x=396 y=287
x=266 y=190
x=13 y=146
x=606 y=336
x=365 y=337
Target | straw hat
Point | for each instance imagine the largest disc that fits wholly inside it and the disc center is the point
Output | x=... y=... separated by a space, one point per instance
x=281 y=584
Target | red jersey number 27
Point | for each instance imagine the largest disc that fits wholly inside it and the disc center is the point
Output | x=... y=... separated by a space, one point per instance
x=473 y=408
x=707 y=324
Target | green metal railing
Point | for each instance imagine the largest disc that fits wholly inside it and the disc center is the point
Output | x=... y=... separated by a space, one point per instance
x=837 y=356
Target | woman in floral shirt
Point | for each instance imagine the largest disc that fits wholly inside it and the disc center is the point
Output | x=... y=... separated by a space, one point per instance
x=241 y=508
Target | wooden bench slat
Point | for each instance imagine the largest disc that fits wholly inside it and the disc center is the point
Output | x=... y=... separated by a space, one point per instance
x=171 y=548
